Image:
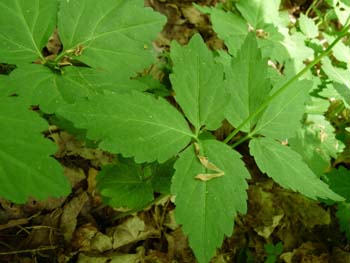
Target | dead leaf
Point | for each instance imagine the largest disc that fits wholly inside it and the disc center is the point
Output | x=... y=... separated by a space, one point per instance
x=43 y=231
x=130 y=231
x=116 y=258
x=194 y=16
x=208 y=165
x=83 y=236
x=208 y=177
x=340 y=256
x=266 y=231
x=70 y=214
x=308 y=253
x=205 y=162
x=178 y=246
x=101 y=242
x=91 y=180
x=54 y=44
x=74 y=175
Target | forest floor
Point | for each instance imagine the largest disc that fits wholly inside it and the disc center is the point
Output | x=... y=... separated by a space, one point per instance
x=79 y=228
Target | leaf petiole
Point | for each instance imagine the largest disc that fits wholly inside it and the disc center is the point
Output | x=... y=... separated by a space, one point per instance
x=243 y=139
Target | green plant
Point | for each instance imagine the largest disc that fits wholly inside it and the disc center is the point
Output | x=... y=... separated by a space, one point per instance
x=273 y=251
x=95 y=46
x=93 y=83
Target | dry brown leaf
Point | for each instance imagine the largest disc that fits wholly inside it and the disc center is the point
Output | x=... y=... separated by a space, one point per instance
x=208 y=177
x=70 y=214
x=101 y=242
x=83 y=236
x=74 y=175
x=130 y=231
x=115 y=258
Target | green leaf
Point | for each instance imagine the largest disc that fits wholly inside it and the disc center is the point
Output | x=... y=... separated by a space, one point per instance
x=339 y=182
x=296 y=48
x=332 y=93
x=308 y=26
x=134 y=124
x=114 y=35
x=282 y=118
x=25 y=28
x=341 y=52
x=316 y=143
x=97 y=80
x=342 y=11
x=130 y=185
x=199 y=84
x=286 y=167
x=125 y=185
x=343 y=215
x=229 y=27
x=274 y=249
x=161 y=176
x=318 y=105
x=26 y=168
x=272 y=44
x=340 y=78
x=206 y=208
x=247 y=83
x=5 y=88
x=271 y=259
x=43 y=87
x=259 y=13
x=275 y=41
x=339 y=75
x=40 y=86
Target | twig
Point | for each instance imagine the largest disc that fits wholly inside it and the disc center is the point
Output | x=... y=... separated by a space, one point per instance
x=35 y=250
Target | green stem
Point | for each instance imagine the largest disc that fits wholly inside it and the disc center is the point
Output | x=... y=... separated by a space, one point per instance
x=60 y=56
x=286 y=85
x=243 y=139
x=312 y=6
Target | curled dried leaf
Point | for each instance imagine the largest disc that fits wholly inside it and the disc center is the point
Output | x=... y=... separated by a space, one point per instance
x=208 y=177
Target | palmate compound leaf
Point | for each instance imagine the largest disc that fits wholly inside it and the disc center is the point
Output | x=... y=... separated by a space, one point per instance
x=41 y=86
x=206 y=209
x=134 y=124
x=247 y=83
x=113 y=34
x=26 y=168
x=25 y=27
x=199 y=84
x=287 y=168
x=282 y=118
